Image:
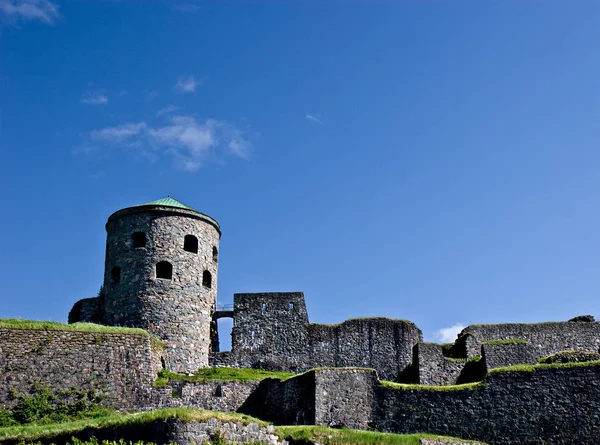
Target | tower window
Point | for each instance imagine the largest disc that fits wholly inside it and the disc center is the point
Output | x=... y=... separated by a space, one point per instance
x=115 y=274
x=190 y=244
x=291 y=305
x=215 y=254
x=164 y=270
x=139 y=240
x=206 y=279
x=263 y=307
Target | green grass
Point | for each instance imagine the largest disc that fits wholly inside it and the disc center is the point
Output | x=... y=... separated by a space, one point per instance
x=322 y=434
x=508 y=341
x=441 y=388
x=37 y=431
x=206 y=375
x=533 y=368
x=17 y=323
x=475 y=358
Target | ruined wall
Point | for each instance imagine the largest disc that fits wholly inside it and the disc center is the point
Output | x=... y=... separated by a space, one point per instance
x=500 y=356
x=512 y=408
x=544 y=338
x=86 y=310
x=120 y=367
x=210 y=395
x=381 y=343
x=345 y=397
x=171 y=431
x=271 y=331
x=287 y=402
x=433 y=368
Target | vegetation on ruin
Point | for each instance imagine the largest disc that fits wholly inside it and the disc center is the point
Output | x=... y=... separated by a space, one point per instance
x=205 y=375
x=344 y=436
x=36 y=431
x=533 y=368
x=557 y=358
x=508 y=341
x=45 y=406
x=17 y=323
x=475 y=358
x=441 y=388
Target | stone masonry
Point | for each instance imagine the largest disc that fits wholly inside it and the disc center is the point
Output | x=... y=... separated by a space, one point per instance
x=174 y=303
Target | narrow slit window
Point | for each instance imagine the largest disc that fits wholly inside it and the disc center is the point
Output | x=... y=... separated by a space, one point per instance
x=164 y=270
x=139 y=240
x=291 y=305
x=190 y=244
x=215 y=255
x=115 y=274
x=263 y=306
x=207 y=279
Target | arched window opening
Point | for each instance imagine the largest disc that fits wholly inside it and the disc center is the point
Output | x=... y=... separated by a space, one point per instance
x=164 y=270
x=206 y=279
x=215 y=254
x=139 y=240
x=190 y=244
x=115 y=274
x=263 y=307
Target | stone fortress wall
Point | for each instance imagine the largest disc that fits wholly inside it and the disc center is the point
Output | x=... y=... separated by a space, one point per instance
x=119 y=367
x=272 y=331
x=540 y=404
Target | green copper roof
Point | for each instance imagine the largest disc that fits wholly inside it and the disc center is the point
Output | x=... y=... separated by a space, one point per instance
x=169 y=202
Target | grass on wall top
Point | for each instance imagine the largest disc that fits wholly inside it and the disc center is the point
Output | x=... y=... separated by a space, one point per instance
x=320 y=434
x=206 y=375
x=33 y=432
x=17 y=323
x=507 y=341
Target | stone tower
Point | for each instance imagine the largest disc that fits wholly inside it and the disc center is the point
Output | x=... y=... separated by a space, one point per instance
x=161 y=275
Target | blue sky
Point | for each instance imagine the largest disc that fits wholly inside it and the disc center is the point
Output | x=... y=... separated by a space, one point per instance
x=435 y=161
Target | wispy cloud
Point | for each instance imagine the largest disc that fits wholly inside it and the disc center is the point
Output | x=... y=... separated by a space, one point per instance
x=23 y=10
x=186 y=7
x=188 y=140
x=94 y=98
x=316 y=118
x=187 y=84
x=448 y=335
x=167 y=110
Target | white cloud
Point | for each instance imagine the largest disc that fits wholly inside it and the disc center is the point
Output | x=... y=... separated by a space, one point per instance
x=119 y=133
x=42 y=10
x=167 y=110
x=186 y=7
x=448 y=335
x=188 y=140
x=187 y=84
x=315 y=118
x=94 y=99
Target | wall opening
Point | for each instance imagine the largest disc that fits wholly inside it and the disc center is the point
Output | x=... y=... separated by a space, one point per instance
x=115 y=274
x=215 y=255
x=190 y=244
x=206 y=279
x=263 y=306
x=225 y=329
x=164 y=270
x=291 y=306
x=139 y=240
